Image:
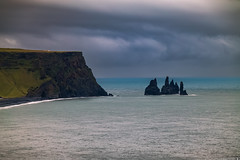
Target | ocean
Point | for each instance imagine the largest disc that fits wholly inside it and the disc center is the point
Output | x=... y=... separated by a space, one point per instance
x=203 y=125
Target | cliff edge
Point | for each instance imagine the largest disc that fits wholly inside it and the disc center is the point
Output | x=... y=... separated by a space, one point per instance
x=46 y=74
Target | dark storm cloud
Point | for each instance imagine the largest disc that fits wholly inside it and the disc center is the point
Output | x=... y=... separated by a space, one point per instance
x=155 y=38
x=24 y=16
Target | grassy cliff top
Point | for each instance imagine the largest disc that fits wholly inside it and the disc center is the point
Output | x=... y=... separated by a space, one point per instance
x=21 y=69
x=18 y=50
x=47 y=74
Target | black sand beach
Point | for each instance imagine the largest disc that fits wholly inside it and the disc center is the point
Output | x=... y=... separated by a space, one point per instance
x=15 y=101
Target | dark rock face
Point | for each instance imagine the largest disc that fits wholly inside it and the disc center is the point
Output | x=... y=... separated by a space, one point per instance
x=152 y=88
x=182 y=92
x=176 y=88
x=48 y=89
x=167 y=88
x=167 y=81
x=69 y=76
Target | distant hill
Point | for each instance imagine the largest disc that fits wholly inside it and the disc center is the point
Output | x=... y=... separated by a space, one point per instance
x=48 y=74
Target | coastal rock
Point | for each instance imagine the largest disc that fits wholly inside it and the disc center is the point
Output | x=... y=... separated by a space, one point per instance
x=167 y=88
x=176 y=88
x=152 y=88
x=182 y=91
x=46 y=74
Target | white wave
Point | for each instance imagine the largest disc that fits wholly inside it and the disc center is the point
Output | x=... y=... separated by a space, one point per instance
x=193 y=95
x=36 y=102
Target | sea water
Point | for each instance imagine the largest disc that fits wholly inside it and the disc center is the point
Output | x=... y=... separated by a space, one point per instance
x=203 y=125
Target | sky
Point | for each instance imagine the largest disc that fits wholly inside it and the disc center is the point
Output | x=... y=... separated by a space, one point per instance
x=131 y=38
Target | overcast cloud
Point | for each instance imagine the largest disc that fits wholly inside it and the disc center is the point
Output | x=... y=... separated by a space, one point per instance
x=137 y=38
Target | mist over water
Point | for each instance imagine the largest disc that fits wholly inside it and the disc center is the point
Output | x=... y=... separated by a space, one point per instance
x=203 y=125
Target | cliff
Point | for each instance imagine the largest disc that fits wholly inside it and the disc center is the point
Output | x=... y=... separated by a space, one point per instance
x=46 y=74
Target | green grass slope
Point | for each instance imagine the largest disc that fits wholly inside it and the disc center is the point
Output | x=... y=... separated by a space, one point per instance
x=16 y=82
x=17 y=73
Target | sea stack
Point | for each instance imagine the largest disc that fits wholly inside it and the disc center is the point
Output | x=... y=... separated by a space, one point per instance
x=182 y=92
x=167 y=88
x=152 y=88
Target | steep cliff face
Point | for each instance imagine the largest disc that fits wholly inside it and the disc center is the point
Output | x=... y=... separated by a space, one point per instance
x=47 y=74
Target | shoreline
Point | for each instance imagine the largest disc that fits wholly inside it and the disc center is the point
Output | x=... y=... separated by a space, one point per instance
x=6 y=102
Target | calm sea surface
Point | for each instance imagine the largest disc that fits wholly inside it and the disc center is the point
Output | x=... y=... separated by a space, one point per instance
x=203 y=125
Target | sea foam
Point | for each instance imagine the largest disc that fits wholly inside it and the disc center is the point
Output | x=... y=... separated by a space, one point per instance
x=35 y=102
